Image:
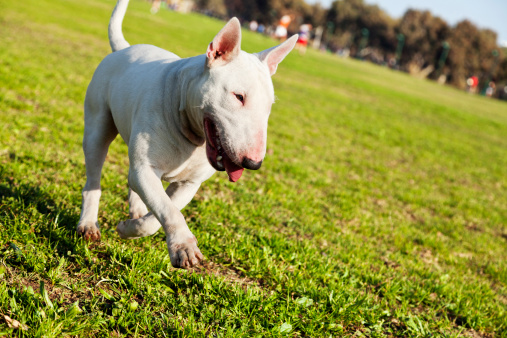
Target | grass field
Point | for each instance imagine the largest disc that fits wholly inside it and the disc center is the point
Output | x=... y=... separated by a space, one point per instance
x=380 y=209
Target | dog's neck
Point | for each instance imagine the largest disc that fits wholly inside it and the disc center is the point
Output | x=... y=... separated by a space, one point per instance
x=190 y=115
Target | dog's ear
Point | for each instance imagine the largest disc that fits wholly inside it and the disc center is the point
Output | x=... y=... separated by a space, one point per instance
x=273 y=56
x=226 y=45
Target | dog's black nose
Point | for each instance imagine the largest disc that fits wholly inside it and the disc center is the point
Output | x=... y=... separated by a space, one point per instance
x=251 y=164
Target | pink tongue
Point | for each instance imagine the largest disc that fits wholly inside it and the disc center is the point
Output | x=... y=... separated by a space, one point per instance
x=233 y=170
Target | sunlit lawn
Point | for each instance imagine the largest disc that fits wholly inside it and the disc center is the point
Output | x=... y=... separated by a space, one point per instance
x=380 y=210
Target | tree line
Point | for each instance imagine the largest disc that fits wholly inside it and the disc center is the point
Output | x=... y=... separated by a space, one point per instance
x=418 y=42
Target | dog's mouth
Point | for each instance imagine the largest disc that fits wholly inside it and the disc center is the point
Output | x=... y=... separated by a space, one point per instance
x=217 y=156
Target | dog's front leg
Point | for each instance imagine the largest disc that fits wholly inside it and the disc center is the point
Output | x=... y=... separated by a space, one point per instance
x=181 y=243
x=180 y=193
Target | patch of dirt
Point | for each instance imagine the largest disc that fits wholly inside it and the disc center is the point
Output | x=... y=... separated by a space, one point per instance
x=409 y=214
x=229 y=273
x=466 y=255
x=428 y=258
x=502 y=299
x=473 y=227
x=471 y=333
x=56 y=292
x=293 y=233
x=389 y=263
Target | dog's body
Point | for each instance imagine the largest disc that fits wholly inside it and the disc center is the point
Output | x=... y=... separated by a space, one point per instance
x=182 y=120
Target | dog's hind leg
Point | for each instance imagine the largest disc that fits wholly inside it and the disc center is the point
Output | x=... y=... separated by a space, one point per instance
x=137 y=208
x=100 y=131
x=180 y=193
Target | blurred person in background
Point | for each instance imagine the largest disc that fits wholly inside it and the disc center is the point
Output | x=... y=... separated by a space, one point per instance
x=281 y=29
x=253 y=25
x=155 y=6
x=304 y=36
x=472 y=83
x=491 y=89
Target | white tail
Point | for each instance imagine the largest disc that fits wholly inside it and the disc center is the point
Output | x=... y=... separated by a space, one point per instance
x=116 y=39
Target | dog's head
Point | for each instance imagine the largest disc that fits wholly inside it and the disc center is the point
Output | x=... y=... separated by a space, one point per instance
x=237 y=98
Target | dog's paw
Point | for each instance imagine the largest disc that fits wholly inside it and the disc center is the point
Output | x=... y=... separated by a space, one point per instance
x=139 y=227
x=184 y=252
x=89 y=231
x=126 y=229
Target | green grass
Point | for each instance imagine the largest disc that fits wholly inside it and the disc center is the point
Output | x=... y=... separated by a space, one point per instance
x=380 y=210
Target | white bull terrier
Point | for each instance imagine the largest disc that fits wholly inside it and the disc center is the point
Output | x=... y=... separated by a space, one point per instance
x=182 y=119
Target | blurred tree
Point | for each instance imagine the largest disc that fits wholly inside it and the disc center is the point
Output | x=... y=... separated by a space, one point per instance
x=315 y=15
x=269 y=12
x=216 y=7
x=351 y=16
x=471 y=53
x=501 y=73
x=424 y=35
x=245 y=10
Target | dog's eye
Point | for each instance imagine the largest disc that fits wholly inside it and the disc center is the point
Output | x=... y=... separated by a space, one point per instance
x=240 y=97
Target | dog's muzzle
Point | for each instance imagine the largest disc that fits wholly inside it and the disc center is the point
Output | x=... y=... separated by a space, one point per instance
x=217 y=156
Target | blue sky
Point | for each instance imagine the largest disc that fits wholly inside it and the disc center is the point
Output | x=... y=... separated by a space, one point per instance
x=484 y=13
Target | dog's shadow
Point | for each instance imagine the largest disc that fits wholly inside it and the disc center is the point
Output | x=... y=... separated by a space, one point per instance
x=30 y=214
